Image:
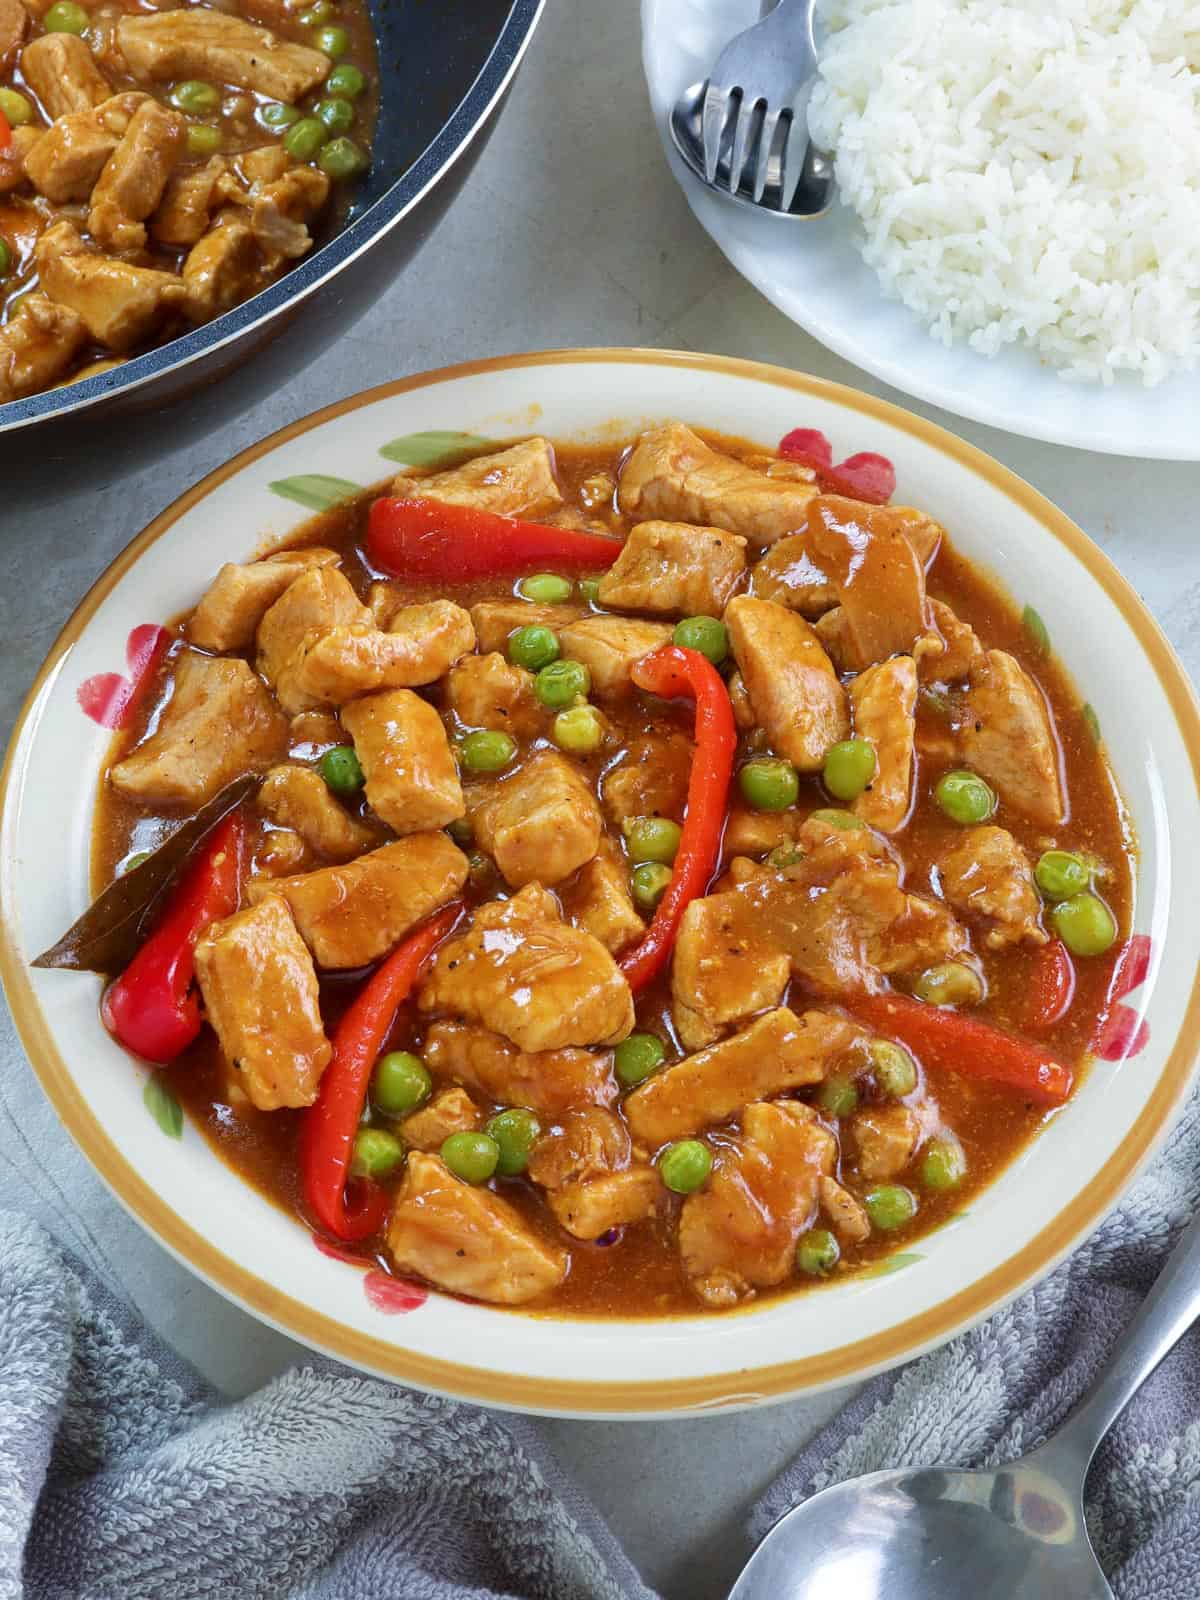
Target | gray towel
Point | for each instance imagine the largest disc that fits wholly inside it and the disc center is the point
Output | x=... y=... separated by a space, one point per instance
x=124 y=1477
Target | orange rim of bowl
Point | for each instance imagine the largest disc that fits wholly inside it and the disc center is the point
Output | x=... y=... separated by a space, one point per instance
x=846 y=1363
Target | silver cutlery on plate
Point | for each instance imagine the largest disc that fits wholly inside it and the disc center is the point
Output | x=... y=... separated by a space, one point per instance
x=744 y=131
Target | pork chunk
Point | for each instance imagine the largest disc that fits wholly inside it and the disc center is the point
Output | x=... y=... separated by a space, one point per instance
x=587 y=1142
x=1008 y=738
x=69 y=156
x=218 y=723
x=522 y=971
x=518 y=482
x=119 y=304
x=351 y=659
x=495 y=620
x=886 y=1139
x=739 y=1232
x=450 y=1111
x=792 y=686
x=299 y=798
x=615 y=1200
x=37 y=346
x=651 y=777
x=309 y=607
x=547 y=1081
x=780 y=1051
x=848 y=1219
x=489 y=692
x=883 y=700
x=673 y=569
x=718 y=976
x=238 y=598
x=541 y=824
x=221 y=270
x=879 y=578
x=351 y=915
x=412 y=781
x=281 y=210
x=219 y=48
x=14 y=20
x=609 y=646
x=599 y=902
x=963 y=654
x=135 y=176
x=672 y=473
x=789 y=576
x=187 y=204
x=986 y=874
x=60 y=70
x=260 y=994
x=466 y=1239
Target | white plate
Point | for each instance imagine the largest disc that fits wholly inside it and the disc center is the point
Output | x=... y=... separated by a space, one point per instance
x=239 y=1242
x=813 y=272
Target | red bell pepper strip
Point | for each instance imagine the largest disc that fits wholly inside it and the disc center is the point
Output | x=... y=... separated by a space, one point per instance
x=5 y=132
x=425 y=539
x=1052 y=987
x=672 y=671
x=327 y=1135
x=153 y=1008
x=954 y=1043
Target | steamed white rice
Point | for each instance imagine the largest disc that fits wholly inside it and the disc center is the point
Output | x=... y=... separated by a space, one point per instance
x=1026 y=171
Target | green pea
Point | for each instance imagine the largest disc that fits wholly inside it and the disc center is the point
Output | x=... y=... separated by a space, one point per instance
x=376 y=1153
x=895 y=1069
x=589 y=590
x=461 y=831
x=769 y=785
x=1085 y=924
x=482 y=871
x=473 y=1157
x=649 y=883
x=337 y=115
x=6 y=258
x=890 y=1206
x=277 y=115
x=817 y=1252
x=1060 y=874
x=534 y=647
x=17 y=110
x=332 y=41
x=321 y=11
x=838 y=1096
x=965 y=798
x=785 y=855
x=341 y=158
x=195 y=97
x=400 y=1083
x=950 y=983
x=346 y=80
x=546 y=588
x=637 y=1057
x=652 y=838
x=705 y=634
x=849 y=768
x=66 y=17
x=579 y=730
x=684 y=1165
x=514 y=1132
x=203 y=140
x=341 y=769
x=304 y=138
x=845 y=820
x=487 y=751
x=133 y=862
x=943 y=1165
x=562 y=683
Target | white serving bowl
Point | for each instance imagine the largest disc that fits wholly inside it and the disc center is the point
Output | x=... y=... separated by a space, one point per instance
x=1042 y=1206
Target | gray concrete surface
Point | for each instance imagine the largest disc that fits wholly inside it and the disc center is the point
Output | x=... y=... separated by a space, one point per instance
x=571 y=231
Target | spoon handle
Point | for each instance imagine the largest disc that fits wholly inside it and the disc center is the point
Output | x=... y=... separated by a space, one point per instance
x=1165 y=1315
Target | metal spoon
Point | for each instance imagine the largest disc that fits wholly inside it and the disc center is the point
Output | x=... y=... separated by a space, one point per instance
x=744 y=131
x=943 y=1533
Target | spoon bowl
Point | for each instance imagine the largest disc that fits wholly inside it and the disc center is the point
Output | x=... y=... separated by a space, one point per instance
x=938 y=1533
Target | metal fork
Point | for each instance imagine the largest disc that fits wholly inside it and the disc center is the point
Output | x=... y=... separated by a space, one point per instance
x=749 y=94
